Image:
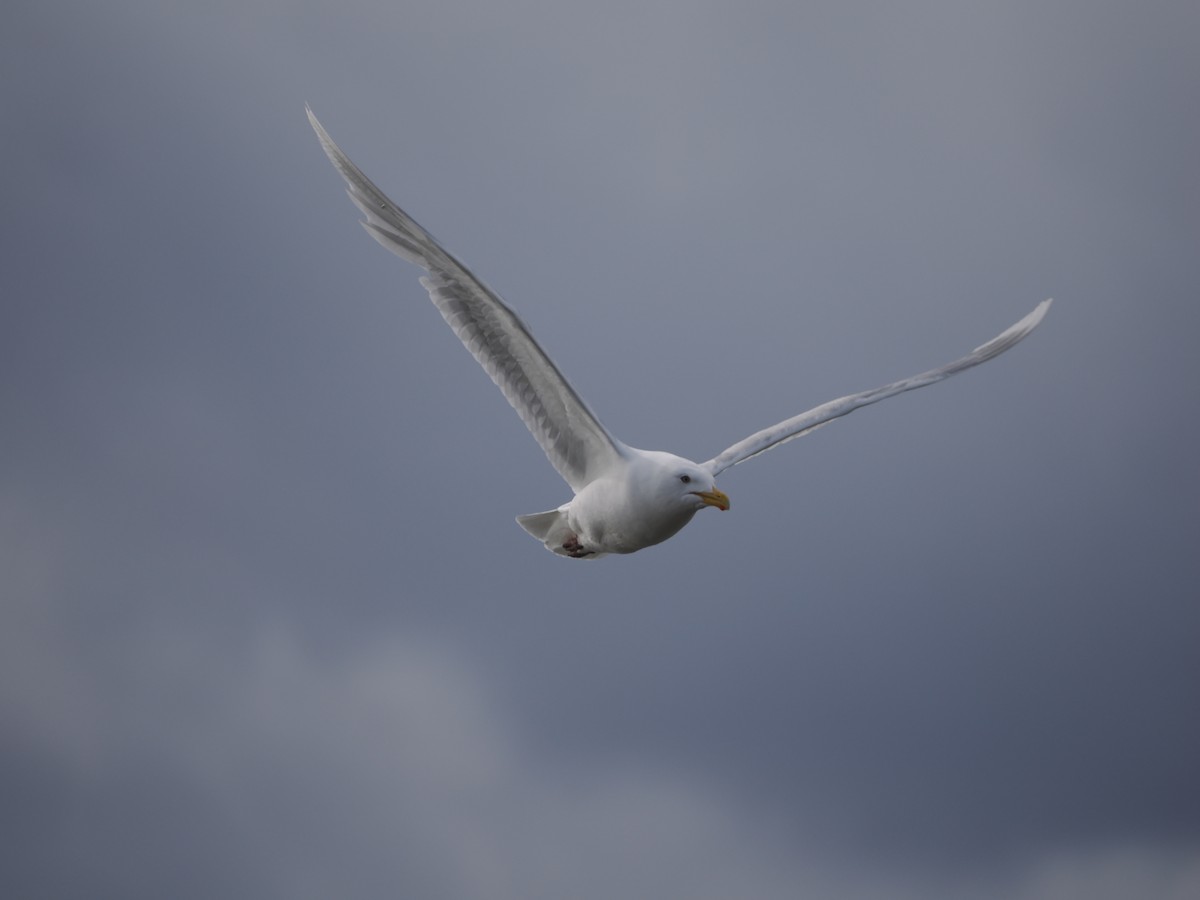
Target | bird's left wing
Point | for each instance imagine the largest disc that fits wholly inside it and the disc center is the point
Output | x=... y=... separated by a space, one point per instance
x=800 y=425
x=578 y=446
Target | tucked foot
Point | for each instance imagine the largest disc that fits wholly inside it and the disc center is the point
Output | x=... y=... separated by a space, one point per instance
x=574 y=549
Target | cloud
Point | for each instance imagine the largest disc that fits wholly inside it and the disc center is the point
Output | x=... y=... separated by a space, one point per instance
x=174 y=762
x=266 y=624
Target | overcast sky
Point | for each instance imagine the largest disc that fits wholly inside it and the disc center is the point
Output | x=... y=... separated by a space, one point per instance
x=267 y=626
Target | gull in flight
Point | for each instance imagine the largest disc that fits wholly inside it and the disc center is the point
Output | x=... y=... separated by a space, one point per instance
x=625 y=498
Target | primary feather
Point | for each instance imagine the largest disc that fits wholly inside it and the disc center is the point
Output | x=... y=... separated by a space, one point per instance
x=575 y=442
x=806 y=422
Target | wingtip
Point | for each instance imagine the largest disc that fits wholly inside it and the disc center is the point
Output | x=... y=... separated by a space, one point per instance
x=331 y=149
x=1035 y=317
x=1039 y=313
x=313 y=121
x=1019 y=330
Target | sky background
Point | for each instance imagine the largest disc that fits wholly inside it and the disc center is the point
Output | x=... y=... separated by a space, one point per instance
x=267 y=626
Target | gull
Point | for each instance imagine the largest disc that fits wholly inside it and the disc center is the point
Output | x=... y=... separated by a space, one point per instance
x=625 y=499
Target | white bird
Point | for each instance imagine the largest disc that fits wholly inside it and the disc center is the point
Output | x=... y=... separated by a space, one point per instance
x=625 y=498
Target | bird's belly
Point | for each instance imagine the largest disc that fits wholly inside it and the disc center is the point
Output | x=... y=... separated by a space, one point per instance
x=615 y=528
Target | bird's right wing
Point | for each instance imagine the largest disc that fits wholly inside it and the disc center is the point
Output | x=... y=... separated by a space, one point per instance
x=798 y=426
x=578 y=446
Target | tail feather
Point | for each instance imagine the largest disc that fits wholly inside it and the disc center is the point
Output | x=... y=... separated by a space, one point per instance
x=542 y=525
x=551 y=528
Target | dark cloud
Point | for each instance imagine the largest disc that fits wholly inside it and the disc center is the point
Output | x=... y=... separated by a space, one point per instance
x=267 y=626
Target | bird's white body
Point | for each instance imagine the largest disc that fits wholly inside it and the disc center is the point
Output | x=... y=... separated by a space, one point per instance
x=625 y=499
x=642 y=502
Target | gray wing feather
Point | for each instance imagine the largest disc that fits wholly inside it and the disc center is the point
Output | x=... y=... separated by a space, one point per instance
x=578 y=446
x=803 y=424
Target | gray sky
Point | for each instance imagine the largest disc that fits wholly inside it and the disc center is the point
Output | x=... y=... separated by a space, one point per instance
x=267 y=627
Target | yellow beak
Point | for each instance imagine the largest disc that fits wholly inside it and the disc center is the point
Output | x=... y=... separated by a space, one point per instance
x=714 y=498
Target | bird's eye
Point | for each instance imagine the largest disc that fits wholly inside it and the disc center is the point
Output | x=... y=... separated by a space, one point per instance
x=686 y=479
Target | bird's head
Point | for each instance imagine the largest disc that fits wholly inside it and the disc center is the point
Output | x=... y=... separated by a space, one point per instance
x=683 y=484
